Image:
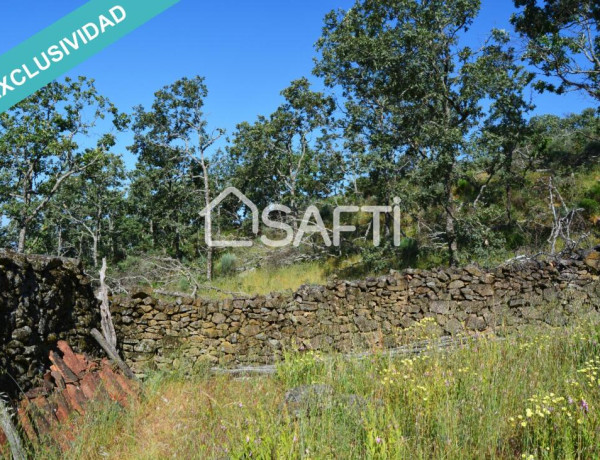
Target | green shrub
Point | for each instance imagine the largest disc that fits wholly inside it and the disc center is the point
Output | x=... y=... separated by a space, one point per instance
x=514 y=238
x=380 y=259
x=594 y=193
x=590 y=207
x=227 y=264
x=409 y=252
x=465 y=189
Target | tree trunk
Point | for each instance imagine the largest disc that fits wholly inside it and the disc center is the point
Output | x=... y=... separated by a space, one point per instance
x=22 y=238
x=95 y=249
x=152 y=234
x=509 y=178
x=177 y=242
x=111 y=238
x=509 y=203
x=209 y=264
x=59 y=242
x=113 y=355
x=80 y=251
x=108 y=328
x=448 y=163
x=26 y=202
x=294 y=208
x=210 y=249
x=451 y=240
x=450 y=219
x=97 y=235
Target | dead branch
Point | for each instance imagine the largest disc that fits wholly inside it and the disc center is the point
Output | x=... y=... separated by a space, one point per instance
x=108 y=328
x=112 y=354
x=562 y=221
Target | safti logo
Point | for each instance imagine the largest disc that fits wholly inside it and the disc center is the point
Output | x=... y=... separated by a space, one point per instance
x=310 y=223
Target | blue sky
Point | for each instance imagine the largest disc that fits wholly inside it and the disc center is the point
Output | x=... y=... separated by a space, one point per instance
x=247 y=50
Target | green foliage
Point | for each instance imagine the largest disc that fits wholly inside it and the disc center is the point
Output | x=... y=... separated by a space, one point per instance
x=410 y=113
x=288 y=157
x=91 y=208
x=227 y=264
x=590 y=207
x=433 y=90
x=568 y=143
x=172 y=175
x=380 y=259
x=514 y=238
x=466 y=190
x=594 y=192
x=563 y=42
x=40 y=151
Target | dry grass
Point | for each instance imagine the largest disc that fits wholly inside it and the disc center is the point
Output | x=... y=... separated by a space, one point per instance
x=262 y=281
x=534 y=396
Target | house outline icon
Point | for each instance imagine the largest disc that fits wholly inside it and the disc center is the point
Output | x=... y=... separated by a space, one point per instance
x=207 y=214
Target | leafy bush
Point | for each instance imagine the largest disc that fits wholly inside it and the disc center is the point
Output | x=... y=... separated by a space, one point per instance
x=514 y=238
x=594 y=192
x=386 y=256
x=227 y=264
x=590 y=207
x=466 y=190
x=408 y=252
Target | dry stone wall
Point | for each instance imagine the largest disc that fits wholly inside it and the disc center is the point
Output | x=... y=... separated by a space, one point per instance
x=42 y=300
x=352 y=315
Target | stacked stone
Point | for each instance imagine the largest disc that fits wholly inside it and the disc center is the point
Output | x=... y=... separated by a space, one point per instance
x=42 y=300
x=354 y=315
x=153 y=331
x=45 y=299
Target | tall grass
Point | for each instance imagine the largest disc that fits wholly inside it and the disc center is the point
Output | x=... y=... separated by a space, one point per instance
x=266 y=280
x=533 y=396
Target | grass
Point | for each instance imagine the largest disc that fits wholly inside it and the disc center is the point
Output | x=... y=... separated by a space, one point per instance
x=533 y=396
x=265 y=280
x=262 y=281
